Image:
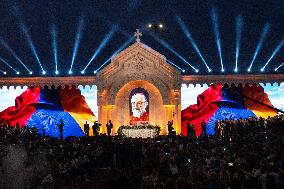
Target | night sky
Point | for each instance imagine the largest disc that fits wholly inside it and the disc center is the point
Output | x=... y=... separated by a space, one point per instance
x=36 y=18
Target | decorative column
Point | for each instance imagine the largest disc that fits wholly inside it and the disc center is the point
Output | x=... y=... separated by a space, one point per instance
x=170 y=115
x=102 y=115
x=176 y=111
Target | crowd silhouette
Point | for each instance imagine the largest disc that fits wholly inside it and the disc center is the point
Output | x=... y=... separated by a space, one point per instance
x=245 y=153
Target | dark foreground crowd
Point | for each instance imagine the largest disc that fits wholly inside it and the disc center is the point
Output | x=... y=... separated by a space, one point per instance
x=246 y=153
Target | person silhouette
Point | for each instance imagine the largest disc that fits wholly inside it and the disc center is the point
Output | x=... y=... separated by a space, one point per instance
x=61 y=127
x=44 y=130
x=109 y=126
x=96 y=128
x=170 y=127
x=86 y=128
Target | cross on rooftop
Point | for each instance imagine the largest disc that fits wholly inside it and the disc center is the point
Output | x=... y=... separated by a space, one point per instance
x=137 y=34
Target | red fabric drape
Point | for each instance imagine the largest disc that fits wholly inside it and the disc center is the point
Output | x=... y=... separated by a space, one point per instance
x=203 y=110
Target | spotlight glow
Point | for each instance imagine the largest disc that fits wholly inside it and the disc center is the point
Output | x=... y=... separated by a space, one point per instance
x=25 y=30
x=82 y=72
x=161 y=25
x=167 y=46
x=279 y=66
x=31 y=73
x=196 y=71
x=6 y=63
x=101 y=46
x=18 y=73
x=279 y=46
x=259 y=44
x=149 y=25
x=124 y=45
x=70 y=72
x=31 y=44
x=173 y=64
x=239 y=24
x=5 y=73
x=13 y=53
x=77 y=40
x=191 y=40
x=44 y=72
x=95 y=71
x=56 y=72
x=54 y=44
x=215 y=22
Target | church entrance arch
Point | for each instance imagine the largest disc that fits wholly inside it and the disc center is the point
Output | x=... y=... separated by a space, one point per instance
x=122 y=110
x=139 y=68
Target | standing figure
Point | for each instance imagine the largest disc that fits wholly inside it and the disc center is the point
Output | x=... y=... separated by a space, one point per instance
x=170 y=127
x=96 y=128
x=43 y=130
x=61 y=127
x=86 y=129
x=189 y=130
x=109 y=126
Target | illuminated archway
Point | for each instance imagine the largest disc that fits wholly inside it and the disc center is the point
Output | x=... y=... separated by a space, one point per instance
x=158 y=113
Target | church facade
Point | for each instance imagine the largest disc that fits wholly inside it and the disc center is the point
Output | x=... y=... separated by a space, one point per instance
x=140 y=68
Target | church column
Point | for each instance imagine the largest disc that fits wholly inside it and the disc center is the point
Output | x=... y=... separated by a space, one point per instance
x=101 y=111
x=170 y=116
x=177 y=113
x=109 y=113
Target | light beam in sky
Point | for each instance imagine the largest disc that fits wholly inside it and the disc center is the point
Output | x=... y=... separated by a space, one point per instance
x=279 y=46
x=215 y=22
x=103 y=43
x=239 y=24
x=259 y=44
x=5 y=44
x=124 y=45
x=193 y=43
x=77 y=41
x=54 y=45
x=168 y=46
